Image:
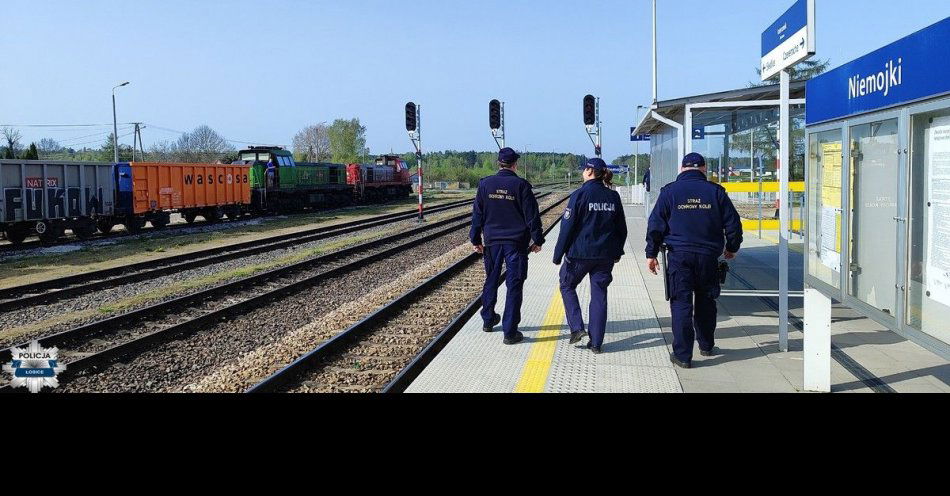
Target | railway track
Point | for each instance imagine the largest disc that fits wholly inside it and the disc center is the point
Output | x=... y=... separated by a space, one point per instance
x=50 y=291
x=94 y=347
x=9 y=248
x=386 y=350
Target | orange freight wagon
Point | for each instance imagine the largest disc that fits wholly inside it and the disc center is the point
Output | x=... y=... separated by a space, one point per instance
x=209 y=190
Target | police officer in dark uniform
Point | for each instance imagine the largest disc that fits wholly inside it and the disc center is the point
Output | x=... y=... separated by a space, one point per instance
x=697 y=221
x=506 y=212
x=593 y=231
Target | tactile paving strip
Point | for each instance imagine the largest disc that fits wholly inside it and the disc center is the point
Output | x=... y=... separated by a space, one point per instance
x=635 y=357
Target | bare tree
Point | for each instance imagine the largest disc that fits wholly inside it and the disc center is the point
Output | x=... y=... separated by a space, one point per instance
x=48 y=146
x=163 y=151
x=202 y=145
x=313 y=143
x=12 y=137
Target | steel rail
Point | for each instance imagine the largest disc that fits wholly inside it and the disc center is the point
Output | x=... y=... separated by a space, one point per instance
x=26 y=295
x=422 y=360
x=112 y=324
x=22 y=296
x=145 y=342
x=35 y=243
x=365 y=326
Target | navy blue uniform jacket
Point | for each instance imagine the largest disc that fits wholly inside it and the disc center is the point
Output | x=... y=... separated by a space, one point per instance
x=506 y=212
x=593 y=226
x=694 y=215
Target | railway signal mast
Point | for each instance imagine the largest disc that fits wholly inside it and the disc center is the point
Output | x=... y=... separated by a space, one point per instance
x=496 y=122
x=592 y=121
x=414 y=128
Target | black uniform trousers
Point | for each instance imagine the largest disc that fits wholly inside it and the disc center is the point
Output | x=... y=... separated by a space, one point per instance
x=694 y=287
x=515 y=262
x=572 y=273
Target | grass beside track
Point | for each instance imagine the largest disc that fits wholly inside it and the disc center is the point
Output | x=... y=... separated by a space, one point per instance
x=239 y=273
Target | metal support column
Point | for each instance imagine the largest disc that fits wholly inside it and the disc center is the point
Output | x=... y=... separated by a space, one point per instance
x=785 y=137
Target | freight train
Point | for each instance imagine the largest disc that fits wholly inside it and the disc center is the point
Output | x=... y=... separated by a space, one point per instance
x=47 y=197
x=279 y=182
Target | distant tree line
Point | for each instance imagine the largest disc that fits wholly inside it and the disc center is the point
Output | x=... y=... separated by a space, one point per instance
x=342 y=141
x=201 y=145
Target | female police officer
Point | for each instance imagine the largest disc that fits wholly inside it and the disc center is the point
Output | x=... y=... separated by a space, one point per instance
x=593 y=232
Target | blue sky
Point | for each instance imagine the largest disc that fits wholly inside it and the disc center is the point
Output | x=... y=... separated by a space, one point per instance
x=259 y=71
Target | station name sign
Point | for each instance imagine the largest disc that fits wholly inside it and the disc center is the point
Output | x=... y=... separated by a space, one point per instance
x=790 y=39
x=912 y=68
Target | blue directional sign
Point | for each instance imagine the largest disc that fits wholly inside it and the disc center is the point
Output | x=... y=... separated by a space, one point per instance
x=790 y=39
x=619 y=169
x=699 y=133
x=910 y=69
x=638 y=137
x=792 y=21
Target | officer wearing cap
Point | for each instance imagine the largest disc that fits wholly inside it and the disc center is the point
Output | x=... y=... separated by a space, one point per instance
x=697 y=222
x=506 y=214
x=593 y=231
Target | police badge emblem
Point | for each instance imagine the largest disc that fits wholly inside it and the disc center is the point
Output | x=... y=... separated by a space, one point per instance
x=34 y=367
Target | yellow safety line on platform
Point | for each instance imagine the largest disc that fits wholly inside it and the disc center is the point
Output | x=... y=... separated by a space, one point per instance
x=534 y=375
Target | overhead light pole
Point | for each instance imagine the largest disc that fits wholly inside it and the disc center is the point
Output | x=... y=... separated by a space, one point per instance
x=654 y=56
x=115 y=125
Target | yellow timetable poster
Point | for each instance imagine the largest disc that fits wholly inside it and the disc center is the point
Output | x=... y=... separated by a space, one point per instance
x=831 y=175
x=830 y=251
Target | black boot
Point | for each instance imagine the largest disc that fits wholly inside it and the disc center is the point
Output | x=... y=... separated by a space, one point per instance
x=489 y=327
x=675 y=361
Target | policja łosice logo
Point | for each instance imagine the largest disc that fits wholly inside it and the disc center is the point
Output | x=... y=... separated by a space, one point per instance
x=34 y=367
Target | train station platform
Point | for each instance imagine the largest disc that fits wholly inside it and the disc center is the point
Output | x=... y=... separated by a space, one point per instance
x=635 y=356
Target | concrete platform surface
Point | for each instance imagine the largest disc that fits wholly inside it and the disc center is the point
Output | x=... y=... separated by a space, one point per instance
x=638 y=341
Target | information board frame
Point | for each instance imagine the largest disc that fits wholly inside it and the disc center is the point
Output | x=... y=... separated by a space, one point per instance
x=896 y=322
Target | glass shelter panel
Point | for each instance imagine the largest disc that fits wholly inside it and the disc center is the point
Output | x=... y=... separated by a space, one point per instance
x=875 y=175
x=663 y=161
x=928 y=306
x=824 y=207
x=741 y=145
